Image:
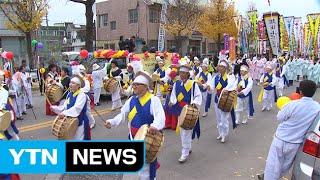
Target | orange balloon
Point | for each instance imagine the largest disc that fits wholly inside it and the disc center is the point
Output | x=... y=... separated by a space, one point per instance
x=294 y=96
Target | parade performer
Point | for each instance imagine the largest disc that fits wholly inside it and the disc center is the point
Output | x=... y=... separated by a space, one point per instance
x=185 y=92
x=260 y=63
x=291 y=71
x=6 y=104
x=142 y=108
x=163 y=73
x=97 y=77
x=86 y=89
x=65 y=81
x=27 y=82
x=268 y=81
x=76 y=106
x=299 y=67
x=170 y=111
x=51 y=78
x=196 y=67
x=245 y=100
x=116 y=73
x=294 y=119
x=223 y=81
x=18 y=94
x=204 y=79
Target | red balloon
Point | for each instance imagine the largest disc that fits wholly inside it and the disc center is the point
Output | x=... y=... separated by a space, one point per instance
x=9 y=55
x=84 y=53
x=294 y=96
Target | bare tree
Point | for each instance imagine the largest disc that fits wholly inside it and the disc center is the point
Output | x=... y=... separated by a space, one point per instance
x=182 y=17
x=89 y=22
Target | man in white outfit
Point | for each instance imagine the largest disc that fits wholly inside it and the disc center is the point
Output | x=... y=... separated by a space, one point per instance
x=185 y=92
x=141 y=108
x=268 y=80
x=97 y=77
x=294 y=119
x=223 y=81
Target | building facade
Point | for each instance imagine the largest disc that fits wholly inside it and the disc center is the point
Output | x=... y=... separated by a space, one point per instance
x=140 y=18
x=12 y=40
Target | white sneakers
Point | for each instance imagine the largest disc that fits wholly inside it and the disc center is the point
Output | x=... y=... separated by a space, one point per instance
x=183 y=159
x=219 y=137
x=204 y=114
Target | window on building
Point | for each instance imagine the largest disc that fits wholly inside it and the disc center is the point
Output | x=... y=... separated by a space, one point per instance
x=104 y=20
x=113 y=25
x=204 y=48
x=154 y=16
x=133 y=16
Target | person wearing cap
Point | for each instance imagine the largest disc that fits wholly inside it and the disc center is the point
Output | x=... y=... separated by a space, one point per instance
x=6 y=104
x=223 y=81
x=185 y=92
x=51 y=78
x=196 y=69
x=97 y=77
x=268 y=81
x=116 y=73
x=86 y=89
x=204 y=79
x=245 y=99
x=142 y=108
x=127 y=88
x=76 y=106
x=27 y=82
x=163 y=73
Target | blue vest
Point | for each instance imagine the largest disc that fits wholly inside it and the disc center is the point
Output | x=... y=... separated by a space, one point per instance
x=196 y=69
x=161 y=73
x=143 y=115
x=224 y=84
x=205 y=78
x=181 y=89
x=8 y=107
x=268 y=88
x=83 y=118
x=251 y=108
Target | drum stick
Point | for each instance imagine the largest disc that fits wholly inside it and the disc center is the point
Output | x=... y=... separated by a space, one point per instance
x=101 y=118
x=27 y=94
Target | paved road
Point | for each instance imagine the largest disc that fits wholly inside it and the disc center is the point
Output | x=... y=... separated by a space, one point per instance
x=240 y=158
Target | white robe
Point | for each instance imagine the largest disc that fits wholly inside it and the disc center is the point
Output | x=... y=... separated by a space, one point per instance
x=97 y=78
x=243 y=103
x=268 y=96
x=186 y=135
x=74 y=111
x=159 y=121
x=223 y=117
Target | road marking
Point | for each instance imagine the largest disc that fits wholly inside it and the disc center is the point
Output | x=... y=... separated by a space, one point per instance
x=49 y=122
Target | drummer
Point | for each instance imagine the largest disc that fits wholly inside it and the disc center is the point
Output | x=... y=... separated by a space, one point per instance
x=142 y=108
x=223 y=81
x=116 y=73
x=163 y=74
x=245 y=100
x=76 y=106
x=6 y=105
x=185 y=92
x=51 y=78
x=204 y=79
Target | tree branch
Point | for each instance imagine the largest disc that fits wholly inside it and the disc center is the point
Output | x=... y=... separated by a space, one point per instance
x=79 y=1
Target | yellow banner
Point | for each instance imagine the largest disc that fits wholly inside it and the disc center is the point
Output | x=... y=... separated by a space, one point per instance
x=284 y=40
x=150 y=62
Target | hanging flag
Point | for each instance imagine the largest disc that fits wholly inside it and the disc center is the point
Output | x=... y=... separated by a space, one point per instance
x=262 y=30
x=232 y=49
x=284 y=40
x=314 y=22
x=271 y=21
x=289 y=23
x=253 y=18
x=226 y=41
x=297 y=34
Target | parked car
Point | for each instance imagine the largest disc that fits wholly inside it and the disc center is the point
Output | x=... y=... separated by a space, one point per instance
x=307 y=161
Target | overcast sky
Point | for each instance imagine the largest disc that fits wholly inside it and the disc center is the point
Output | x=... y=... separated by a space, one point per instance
x=66 y=11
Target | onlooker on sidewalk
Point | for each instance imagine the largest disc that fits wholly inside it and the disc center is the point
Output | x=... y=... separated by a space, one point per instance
x=295 y=119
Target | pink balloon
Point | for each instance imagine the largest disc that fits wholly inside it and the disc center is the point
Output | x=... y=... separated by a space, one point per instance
x=4 y=54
